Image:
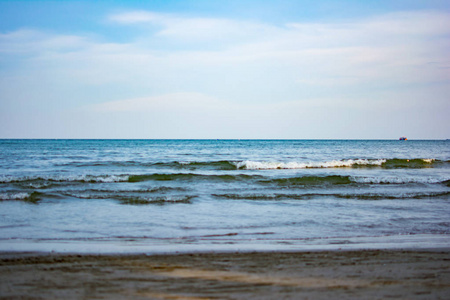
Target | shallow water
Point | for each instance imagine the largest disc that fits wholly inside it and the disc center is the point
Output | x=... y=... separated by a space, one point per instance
x=176 y=195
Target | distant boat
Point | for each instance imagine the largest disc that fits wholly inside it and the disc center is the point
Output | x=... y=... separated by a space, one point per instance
x=403 y=138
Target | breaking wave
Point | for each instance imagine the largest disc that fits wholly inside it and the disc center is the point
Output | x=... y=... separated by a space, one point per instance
x=348 y=163
x=62 y=178
x=395 y=163
x=257 y=165
x=20 y=196
x=400 y=180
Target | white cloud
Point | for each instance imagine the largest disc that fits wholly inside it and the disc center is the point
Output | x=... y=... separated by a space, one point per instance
x=210 y=71
x=391 y=48
x=196 y=29
x=137 y=17
x=36 y=42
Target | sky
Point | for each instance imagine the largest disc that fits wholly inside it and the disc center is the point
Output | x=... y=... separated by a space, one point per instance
x=237 y=69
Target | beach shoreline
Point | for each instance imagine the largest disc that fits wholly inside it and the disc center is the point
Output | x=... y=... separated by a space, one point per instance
x=227 y=244
x=344 y=274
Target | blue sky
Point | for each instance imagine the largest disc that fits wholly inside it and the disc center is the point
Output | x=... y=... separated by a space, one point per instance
x=225 y=69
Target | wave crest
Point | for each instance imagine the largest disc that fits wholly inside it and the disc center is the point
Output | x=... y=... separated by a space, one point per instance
x=157 y=200
x=347 y=163
x=391 y=163
x=20 y=196
x=255 y=165
x=399 y=180
x=311 y=180
x=62 y=178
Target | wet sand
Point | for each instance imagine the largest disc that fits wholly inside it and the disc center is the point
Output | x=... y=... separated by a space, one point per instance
x=370 y=274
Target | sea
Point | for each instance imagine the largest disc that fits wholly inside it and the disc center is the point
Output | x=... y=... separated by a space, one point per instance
x=177 y=196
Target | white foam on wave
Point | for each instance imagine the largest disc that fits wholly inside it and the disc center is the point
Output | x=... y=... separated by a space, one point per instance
x=108 y=178
x=69 y=178
x=398 y=180
x=14 y=196
x=257 y=165
x=158 y=199
x=428 y=160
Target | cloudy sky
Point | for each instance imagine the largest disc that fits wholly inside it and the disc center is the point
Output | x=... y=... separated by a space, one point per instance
x=345 y=69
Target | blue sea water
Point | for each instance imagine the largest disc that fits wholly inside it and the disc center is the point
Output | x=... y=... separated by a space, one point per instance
x=222 y=195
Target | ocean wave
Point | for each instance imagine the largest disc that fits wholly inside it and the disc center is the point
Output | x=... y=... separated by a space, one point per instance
x=20 y=196
x=312 y=196
x=63 y=178
x=119 y=194
x=43 y=182
x=401 y=196
x=213 y=165
x=192 y=165
x=400 y=180
x=416 y=163
x=111 y=163
x=268 y=197
x=311 y=180
x=186 y=199
x=188 y=176
x=393 y=163
x=334 y=180
x=258 y=165
x=126 y=198
x=158 y=189
x=347 y=163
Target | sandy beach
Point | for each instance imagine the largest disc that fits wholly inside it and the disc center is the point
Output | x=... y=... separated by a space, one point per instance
x=370 y=274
